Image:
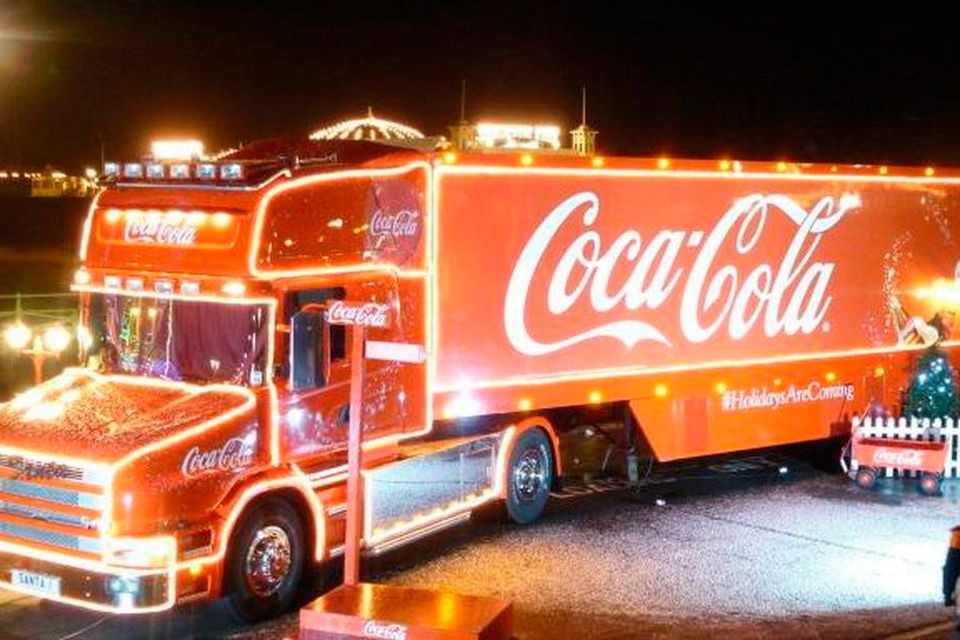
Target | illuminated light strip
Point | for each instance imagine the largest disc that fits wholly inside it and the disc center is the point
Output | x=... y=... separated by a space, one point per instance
x=327 y=473
x=88 y=226
x=274 y=426
x=688 y=173
x=637 y=371
x=422 y=521
x=82 y=288
x=417 y=534
x=261 y=210
x=297 y=481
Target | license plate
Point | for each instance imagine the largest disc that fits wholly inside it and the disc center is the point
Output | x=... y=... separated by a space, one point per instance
x=40 y=583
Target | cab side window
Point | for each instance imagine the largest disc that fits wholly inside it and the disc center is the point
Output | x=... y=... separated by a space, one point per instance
x=311 y=339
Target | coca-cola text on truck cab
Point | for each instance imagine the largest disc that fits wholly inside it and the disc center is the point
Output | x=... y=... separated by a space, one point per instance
x=199 y=449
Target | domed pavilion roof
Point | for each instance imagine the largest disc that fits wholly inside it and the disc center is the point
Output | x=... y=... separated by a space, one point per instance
x=368 y=128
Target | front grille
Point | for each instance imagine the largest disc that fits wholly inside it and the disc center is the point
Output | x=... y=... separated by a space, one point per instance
x=57 y=517
x=56 y=495
x=31 y=468
x=53 y=504
x=52 y=538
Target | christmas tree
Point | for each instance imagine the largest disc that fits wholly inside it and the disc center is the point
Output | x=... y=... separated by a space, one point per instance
x=933 y=388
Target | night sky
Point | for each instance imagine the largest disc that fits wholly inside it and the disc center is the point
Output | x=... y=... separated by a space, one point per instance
x=801 y=81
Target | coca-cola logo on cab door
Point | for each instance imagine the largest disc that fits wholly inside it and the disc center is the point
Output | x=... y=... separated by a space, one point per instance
x=364 y=314
x=709 y=295
x=384 y=631
x=394 y=221
x=236 y=453
x=884 y=457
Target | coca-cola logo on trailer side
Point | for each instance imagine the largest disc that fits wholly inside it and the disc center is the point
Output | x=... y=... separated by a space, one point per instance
x=711 y=296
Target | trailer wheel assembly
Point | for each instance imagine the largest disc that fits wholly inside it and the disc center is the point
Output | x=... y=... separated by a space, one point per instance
x=930 y=483
x=266 y=561
x=866 y=477
x=529 y=476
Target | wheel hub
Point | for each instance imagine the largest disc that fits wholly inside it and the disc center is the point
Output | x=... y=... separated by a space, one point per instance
x=529 y=474
x=268 y=560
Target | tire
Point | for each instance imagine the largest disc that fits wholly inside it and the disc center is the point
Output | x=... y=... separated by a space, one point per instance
x=529 y=476
x=930 y=484
x=866 y=478
x=266 y=561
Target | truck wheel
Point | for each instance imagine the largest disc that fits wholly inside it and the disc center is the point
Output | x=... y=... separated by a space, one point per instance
x=866 y=478
x=930 y=484
x=266 y=561
x=529 y=476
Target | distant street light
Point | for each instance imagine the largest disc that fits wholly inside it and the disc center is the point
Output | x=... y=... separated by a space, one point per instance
x=53 y=342
x=17 y=336
x=56 y=339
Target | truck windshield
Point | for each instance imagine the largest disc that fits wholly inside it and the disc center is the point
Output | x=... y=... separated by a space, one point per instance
x=191 y=341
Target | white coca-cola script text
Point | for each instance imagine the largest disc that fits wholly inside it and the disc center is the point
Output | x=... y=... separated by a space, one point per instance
x=911 y=458
x=403 y=224
x=365 y=314
x=235 y=453
x=791 y=297
x=154 y=229
x=383 y=631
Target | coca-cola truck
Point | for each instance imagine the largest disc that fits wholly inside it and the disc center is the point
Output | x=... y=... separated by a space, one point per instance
x=200 y=448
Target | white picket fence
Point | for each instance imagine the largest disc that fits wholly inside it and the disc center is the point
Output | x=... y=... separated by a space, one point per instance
x=936 y=430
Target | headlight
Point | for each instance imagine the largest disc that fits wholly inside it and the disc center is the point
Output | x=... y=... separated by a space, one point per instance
x=142 y=553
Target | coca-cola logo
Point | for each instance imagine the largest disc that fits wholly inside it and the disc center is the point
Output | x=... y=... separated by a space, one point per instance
x=384 y=631
x=159 y=230
x=712 y=295
x=401 y=224
x=236 y=453
x=364 y=314
x=910 y=458
x=394 y=221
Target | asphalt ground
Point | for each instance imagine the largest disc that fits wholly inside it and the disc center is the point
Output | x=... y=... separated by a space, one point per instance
x=734 y=548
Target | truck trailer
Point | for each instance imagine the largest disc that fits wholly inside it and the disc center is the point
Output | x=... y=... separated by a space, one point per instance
x=199 y=449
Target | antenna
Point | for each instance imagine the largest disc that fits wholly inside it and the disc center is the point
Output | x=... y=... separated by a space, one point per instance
x=583 y=105
x=463 y=99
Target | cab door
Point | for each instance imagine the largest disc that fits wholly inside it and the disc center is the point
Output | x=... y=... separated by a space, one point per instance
x=316 y=415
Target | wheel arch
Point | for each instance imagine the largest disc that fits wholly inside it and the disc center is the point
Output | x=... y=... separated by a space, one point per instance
x=294 y=489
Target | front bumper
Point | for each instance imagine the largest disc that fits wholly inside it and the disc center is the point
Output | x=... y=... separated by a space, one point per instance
x=91 y=587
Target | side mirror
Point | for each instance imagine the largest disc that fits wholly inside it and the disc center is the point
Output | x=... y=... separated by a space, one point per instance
x=306 y=350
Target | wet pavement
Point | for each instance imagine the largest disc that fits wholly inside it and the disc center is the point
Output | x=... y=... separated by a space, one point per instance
x=756 y=554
